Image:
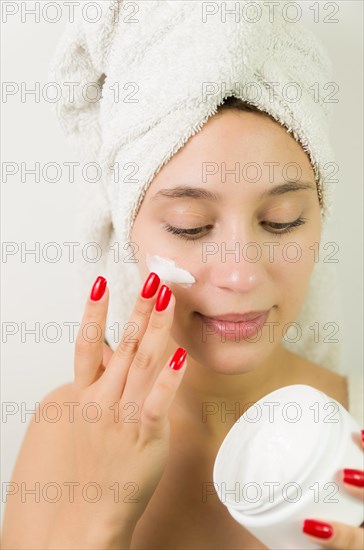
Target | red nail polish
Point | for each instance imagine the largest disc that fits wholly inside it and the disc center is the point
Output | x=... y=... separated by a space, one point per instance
x=362 y=435
x=317 y=529
x=178 y=359
x=98 y=289
x=163 y=298
x=353 y=477
x=150 y=285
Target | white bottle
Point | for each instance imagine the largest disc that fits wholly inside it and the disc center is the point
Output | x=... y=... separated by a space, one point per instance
x=279 y=464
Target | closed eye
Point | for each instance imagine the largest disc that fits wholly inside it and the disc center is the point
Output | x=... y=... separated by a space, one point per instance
x=189 y=234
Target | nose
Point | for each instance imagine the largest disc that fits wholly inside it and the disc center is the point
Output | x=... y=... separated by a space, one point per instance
x=238 y=268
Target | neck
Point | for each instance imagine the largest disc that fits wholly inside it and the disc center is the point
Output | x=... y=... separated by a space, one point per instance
x=215 y=401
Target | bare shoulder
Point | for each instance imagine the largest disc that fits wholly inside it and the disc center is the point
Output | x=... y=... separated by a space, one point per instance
x=331 y=383
x=43 y=466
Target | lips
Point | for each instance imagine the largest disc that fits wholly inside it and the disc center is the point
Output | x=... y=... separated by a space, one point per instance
x=234 y=326
x=236 y=317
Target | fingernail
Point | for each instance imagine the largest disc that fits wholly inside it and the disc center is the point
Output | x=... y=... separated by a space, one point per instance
x=362 y=435
x=98 y=289
x=317 y=529
x=178 y=359
x=150 y=285
x=163 y=298
x=353 y=477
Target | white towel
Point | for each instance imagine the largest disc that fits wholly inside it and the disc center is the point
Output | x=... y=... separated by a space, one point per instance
x=161 y=53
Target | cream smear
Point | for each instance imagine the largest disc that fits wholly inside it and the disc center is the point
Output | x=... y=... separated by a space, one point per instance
x=168 y=271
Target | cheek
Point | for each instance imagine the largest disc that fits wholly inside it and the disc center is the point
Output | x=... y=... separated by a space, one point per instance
x=143 y=239
x=291 y=274
x=151 y=240
x=296 y=254
x=181 y=326
x=294 y=266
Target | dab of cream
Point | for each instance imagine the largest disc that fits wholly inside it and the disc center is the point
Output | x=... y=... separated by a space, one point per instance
x=168 y=271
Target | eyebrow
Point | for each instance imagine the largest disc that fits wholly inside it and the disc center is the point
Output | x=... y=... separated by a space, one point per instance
x=183 y=191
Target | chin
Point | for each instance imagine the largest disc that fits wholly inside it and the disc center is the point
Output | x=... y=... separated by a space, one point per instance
x=231 y=358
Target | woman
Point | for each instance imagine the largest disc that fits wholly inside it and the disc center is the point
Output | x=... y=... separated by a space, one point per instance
x=152 y=449
x=169 y=451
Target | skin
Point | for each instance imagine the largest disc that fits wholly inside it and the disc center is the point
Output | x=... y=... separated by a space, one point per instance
x=241 y=286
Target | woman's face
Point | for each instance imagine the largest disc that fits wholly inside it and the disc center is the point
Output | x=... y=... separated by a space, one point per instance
x=241 y=259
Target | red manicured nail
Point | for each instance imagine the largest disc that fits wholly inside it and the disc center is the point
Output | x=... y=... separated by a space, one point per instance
x=150 y=285
x=163 y=298
x=317 y=529
x=98 y=289
x=362 y=435
x=178 y=359
x=353 y=477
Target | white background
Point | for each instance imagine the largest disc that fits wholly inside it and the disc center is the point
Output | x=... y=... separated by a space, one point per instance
x=47 y=212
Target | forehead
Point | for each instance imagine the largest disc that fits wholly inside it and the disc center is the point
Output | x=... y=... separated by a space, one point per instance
x=236 y=147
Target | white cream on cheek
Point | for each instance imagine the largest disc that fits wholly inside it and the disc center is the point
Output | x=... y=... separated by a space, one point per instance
x=168 y=271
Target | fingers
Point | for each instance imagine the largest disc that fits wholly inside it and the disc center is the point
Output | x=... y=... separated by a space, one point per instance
x=353 y=481
x=154 y=414
x=90 y=336
x=114 y=378
x=147 y=361
x=107 y=354
x=334 y=535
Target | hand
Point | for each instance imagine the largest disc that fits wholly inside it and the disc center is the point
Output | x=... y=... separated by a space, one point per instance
x=124 y=452
x=340 y=536
x=107 y=354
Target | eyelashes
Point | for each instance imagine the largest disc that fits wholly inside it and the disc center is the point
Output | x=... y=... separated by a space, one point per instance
x=183 y=233
x=285 y=227
x=274 y=227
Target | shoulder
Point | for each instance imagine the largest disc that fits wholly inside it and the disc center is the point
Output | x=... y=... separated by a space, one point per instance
x=60 y=394
x=45 y=458
x=53 y=407
x=331 y=383
x=47 y=438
